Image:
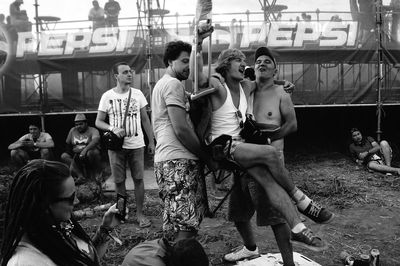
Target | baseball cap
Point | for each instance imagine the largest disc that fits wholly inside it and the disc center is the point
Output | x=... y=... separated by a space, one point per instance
x=80 y=117
x=264 y=51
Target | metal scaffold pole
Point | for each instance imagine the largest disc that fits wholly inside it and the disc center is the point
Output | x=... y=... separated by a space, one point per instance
x=379 y=103
x=149 y=48
x=40 y=78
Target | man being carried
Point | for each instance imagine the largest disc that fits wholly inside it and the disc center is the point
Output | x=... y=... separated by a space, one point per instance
x=83 y=150
x=34 y=145
x=366 y=151
x=272 y=108
x=260 y=161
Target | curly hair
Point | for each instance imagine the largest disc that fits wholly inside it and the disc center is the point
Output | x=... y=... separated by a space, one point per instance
x=225 y=58
x=174 y=49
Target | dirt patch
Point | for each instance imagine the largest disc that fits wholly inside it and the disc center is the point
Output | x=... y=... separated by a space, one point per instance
x=367 y=207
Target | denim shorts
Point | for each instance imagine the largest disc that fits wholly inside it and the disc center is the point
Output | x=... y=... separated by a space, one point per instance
x=118 y=160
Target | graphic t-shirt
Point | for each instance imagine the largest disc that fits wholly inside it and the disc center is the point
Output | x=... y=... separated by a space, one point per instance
x=114 y=105
x=81 y=140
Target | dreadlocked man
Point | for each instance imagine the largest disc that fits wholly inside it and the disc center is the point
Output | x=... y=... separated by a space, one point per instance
x=39 y=229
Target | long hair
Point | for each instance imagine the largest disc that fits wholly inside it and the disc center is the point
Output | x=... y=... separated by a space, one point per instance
x=27 y=212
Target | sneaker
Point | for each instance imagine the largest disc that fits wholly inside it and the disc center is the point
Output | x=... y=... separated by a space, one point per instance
x=241 y=254
x=317 y=213
x=307 y=239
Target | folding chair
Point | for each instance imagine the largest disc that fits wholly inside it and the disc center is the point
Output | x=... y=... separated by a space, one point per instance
x=228 y=168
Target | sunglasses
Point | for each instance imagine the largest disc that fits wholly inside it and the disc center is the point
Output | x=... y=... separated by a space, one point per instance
x=69 y=199
x=239 y=117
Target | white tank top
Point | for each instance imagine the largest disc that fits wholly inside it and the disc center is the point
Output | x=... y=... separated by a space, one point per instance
x=225 y=119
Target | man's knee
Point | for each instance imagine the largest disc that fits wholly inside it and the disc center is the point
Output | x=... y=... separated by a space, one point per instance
x=271 y=154
x=384 y=144
x=93 y=155
x=65 y=157
x=18 y=154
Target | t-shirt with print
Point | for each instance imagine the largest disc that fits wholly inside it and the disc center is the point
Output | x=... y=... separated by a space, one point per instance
x=114 y=105
x=168 y=91
x=43 y=137
x=81 y=140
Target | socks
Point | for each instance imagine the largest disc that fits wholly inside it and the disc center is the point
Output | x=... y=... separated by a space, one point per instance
x=301 y=199
x=251 y=248
x=298 y=228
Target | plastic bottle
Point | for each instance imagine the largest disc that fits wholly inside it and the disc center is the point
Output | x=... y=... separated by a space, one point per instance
x=374 y=257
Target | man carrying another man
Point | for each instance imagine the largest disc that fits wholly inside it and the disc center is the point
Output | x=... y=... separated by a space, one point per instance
x=82 y=150
x=272 y=108
x=260 y=161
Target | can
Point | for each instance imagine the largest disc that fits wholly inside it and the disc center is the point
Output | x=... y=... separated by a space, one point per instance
x=346 y=258
x=374 y=257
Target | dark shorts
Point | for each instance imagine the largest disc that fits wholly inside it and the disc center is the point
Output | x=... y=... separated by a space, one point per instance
x=34 y=154
x=118 y=160
x=181 y=187
x=246 y=198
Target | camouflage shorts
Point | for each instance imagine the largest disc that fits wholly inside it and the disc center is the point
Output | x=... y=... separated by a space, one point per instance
x=182 y=189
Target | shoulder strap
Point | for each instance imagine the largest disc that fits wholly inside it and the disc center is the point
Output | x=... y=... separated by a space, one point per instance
x=127 y=108
x=250 y=102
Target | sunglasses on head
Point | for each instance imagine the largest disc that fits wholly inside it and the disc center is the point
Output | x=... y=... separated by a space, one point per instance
x=69 y=199
x=239 y=116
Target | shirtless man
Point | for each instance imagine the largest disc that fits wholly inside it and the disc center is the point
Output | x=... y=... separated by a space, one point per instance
x=272 y=107
x=228 y=106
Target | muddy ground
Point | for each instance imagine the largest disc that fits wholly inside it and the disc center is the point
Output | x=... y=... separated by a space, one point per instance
x=367 y=207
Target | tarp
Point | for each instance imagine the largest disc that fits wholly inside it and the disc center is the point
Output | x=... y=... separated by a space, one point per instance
x=331 y=62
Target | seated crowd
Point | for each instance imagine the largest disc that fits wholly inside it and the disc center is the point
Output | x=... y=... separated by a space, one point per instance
x=41 y=230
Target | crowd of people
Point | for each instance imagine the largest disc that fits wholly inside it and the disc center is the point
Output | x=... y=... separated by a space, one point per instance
x=41 y=230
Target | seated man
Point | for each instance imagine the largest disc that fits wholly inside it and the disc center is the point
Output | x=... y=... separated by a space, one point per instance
x=261 y=162
x=34 y=145
x=83 y=150
x=366 y=151
x=158 y=252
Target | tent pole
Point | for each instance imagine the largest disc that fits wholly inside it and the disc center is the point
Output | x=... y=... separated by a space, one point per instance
x=379 y=103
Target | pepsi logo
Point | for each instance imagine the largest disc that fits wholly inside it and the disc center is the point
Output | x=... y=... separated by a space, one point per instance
x=5 y=48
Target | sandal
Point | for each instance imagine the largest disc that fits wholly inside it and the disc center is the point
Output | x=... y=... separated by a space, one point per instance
x=144 y=222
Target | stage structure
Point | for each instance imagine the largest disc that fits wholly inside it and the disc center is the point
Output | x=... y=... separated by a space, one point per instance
x=155 y=35
x=335 y=59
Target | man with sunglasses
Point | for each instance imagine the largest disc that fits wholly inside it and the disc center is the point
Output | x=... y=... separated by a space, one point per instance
x=82 y=150
x=261 y=162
